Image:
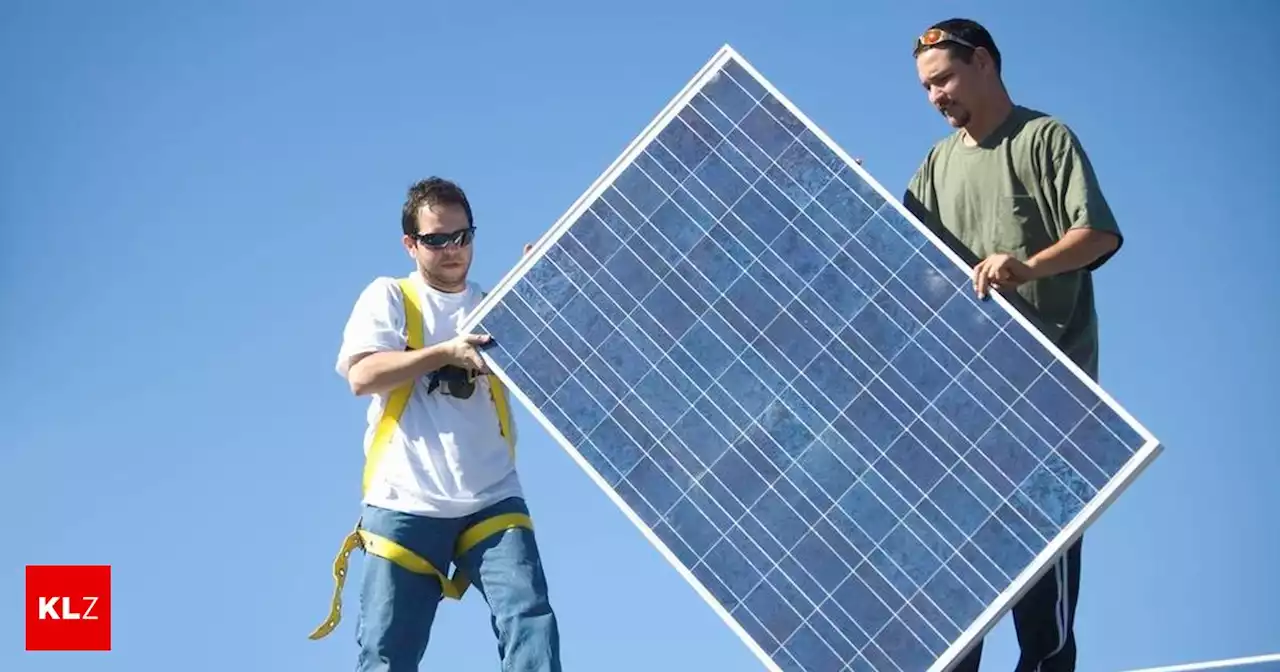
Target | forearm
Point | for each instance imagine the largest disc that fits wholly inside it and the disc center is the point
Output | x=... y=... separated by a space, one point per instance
x=384 y=371
x=1077 y=249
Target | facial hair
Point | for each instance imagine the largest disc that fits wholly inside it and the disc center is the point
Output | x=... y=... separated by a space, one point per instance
x=441 y=280
x=961 y=115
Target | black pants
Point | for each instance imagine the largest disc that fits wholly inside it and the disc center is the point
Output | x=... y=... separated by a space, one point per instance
x=1045 y=621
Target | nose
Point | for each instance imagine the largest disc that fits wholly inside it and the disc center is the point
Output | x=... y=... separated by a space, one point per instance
x=936 y=95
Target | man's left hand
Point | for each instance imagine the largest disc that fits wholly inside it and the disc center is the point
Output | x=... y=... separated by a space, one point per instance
x=1001 y=272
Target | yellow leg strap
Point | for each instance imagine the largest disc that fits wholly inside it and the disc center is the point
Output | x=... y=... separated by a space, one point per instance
x=374 y=544
x=385 y=548
x=479 y=532
x=351 y=543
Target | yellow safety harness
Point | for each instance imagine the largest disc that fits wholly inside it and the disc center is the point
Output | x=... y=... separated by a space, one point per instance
x=454 y=586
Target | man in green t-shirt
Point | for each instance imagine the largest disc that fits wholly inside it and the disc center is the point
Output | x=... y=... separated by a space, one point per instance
x=1012 y=192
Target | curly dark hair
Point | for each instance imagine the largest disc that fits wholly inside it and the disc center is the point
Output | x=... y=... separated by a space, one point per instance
x=431 y=192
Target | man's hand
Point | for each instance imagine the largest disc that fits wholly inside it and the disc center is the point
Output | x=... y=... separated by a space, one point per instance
x=1001 y=272
x=460 y=351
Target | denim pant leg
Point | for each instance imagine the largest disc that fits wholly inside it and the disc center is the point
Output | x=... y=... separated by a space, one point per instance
x=507 y=570
x=397 y=607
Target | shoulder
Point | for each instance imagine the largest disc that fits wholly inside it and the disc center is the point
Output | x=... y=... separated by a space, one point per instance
x=931 y=157
x=922 y=181
x=937 y=154
x=380 y=296
x=381 y=289
x=1047 y=131
x=376 y=322
x=942 y=147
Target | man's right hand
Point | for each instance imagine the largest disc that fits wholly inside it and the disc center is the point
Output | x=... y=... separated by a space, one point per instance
x=461 y=352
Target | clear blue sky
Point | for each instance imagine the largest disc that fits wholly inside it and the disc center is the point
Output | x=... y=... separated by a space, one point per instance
x=190 y=201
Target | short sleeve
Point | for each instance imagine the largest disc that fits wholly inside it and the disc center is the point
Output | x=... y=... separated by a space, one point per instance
x=921 y=200
x=919 y=191
x=1081 y=204
x=921 y=197
x=376 y=323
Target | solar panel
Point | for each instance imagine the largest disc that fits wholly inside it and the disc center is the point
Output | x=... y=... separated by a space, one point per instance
x=787 y=384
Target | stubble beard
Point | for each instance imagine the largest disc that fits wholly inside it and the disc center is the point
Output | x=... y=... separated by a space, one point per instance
x=450 y=279
x=960 y=119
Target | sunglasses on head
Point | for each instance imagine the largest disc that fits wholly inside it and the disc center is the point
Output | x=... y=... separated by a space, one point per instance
x=935 y=36
x=438 y=241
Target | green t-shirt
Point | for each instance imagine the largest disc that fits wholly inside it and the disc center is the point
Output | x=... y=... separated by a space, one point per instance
x=1017 y=193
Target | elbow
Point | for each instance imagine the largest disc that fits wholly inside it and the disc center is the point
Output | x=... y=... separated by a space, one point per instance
x=359 y=380
x=362 y=384
x=359 y=388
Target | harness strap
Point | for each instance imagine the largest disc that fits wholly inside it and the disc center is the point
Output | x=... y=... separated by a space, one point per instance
x=390 y=420
x=451 y=587
x=501 y=403
x=351 y=543
x=477 y=533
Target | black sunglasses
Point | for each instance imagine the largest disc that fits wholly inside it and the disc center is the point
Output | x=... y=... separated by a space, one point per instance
x=438 y=241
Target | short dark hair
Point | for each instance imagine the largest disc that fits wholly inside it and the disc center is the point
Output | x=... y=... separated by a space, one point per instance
x=972 y=32
x=431 y=192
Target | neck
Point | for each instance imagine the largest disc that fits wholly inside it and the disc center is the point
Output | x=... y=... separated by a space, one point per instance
x=981 y=126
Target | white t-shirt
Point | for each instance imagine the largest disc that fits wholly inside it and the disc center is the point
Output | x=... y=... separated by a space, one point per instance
x=448 y=459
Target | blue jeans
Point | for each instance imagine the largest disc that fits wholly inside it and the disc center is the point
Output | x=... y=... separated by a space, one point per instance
x=397 y=606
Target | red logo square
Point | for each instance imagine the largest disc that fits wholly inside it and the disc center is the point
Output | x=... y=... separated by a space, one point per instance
x=68 y=607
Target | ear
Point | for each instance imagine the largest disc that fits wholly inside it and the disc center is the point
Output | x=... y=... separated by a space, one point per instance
x=409 y=244
x=983 y=58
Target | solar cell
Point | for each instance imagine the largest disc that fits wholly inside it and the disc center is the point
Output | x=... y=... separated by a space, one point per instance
x=787 y=384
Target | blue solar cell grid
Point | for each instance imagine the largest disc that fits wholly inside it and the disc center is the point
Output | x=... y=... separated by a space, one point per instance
x=793 y=389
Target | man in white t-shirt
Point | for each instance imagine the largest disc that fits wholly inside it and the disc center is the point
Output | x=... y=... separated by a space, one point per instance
x=445 y=486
